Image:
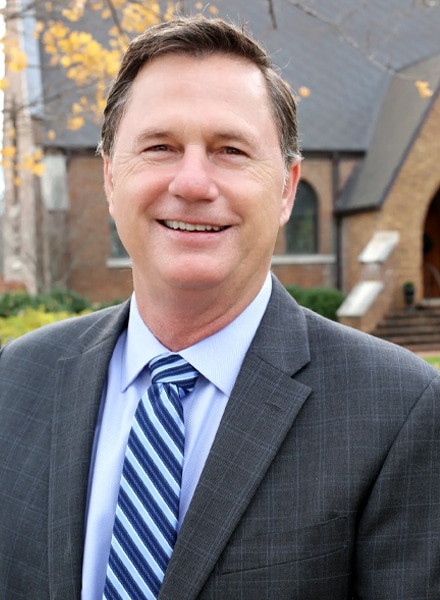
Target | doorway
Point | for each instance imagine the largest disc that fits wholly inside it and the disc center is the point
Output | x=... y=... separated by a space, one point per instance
x=431 y=250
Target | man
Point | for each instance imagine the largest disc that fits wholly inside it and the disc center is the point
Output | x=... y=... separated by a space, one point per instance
x=312 y=451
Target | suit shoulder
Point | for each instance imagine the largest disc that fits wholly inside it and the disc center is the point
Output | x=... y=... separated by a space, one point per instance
x=294 y=338
x=364 y=353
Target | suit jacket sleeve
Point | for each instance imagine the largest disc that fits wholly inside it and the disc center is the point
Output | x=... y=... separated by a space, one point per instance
x=398 y=540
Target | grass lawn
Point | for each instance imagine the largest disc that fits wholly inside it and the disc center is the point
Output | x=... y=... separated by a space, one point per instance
x=434 y=360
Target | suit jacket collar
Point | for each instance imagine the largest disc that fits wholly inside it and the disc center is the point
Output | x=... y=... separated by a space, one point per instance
x=261 y=409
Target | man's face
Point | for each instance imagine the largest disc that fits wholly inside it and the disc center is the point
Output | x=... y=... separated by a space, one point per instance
x=197 y=185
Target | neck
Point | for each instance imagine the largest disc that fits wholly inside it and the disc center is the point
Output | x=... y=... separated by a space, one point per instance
x=183 y=318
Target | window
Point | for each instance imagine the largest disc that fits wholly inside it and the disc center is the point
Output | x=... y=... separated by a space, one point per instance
x=117 y=250
x=302 y=227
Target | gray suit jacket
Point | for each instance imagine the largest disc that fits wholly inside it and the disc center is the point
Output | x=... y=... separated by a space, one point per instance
x=323 y=481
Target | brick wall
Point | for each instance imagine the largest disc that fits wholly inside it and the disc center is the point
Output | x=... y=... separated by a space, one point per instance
x=306 y=275
x=89 y=241
x=318 y=172
x=404 y=210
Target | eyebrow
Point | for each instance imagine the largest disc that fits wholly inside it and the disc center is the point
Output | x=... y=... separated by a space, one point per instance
x=225 y=135
x=150 y=134
x=228 y=136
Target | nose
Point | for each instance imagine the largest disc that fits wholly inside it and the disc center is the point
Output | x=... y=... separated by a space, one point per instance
x=193 y=178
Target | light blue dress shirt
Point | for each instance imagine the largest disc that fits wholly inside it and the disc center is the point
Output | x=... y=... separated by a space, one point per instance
x=218 y=359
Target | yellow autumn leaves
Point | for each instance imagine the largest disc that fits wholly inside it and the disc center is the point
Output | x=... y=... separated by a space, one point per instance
x=30 y=162
x=423 y=88
x=15 y=58
x=87 y=62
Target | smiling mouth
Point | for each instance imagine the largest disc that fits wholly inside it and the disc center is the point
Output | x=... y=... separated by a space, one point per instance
x=181 y=226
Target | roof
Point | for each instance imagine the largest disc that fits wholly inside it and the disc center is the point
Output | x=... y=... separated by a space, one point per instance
x=403 y=112
x=344 y=51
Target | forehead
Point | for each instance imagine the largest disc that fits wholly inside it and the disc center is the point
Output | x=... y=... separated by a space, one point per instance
x=228 y=82
x=233 y=75
x=193 y=97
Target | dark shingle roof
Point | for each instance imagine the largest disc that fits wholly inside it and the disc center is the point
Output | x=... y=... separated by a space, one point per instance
x=402 y=113
x=346 y=56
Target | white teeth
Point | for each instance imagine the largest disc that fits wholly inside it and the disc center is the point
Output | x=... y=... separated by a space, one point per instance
x=190 y=226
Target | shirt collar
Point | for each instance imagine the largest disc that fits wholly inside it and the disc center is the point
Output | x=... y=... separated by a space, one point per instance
x=218 y=357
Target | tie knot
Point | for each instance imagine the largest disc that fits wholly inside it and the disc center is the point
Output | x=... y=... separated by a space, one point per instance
x=173 y=369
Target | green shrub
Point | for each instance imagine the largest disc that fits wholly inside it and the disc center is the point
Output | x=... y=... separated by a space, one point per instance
x=21 y=312
x=324 y=301
x=12 y=303
x=63 y=300
x=56 y=301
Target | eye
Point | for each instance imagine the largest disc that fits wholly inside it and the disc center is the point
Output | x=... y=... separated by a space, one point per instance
x=159 y=153
x=157 y=148
x=232 y=150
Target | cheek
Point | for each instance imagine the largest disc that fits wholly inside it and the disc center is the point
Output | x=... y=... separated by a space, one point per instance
x=139 y=191
x=265 y=225
x=126 y=200
x=272 y=214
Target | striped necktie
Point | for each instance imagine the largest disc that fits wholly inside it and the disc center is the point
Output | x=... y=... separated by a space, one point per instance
x=147 y=511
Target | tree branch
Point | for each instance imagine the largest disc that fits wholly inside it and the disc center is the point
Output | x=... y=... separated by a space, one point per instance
x=272 y=14
x=116 y=19
x=338 y=27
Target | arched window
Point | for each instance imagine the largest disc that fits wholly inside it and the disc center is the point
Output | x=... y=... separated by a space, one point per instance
x=302 y=227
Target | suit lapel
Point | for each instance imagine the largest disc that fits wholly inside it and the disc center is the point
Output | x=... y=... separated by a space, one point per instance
x=79 y=384
x=260 y=412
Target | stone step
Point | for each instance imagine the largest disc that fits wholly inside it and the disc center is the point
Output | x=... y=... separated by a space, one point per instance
x=417 y=329
x=403 y=329
x=415 y=317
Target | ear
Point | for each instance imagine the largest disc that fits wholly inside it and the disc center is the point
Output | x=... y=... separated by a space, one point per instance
x=289 y=191
x=108 y=182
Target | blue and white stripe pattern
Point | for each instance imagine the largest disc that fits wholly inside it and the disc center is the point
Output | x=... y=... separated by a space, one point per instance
x=147 y=512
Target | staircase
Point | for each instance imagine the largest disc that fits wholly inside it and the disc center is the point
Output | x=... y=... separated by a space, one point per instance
x=417 y=329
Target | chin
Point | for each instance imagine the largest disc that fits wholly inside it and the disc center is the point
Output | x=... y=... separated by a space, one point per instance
x=199 y=280
x=197 y=277
x=196 y=283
